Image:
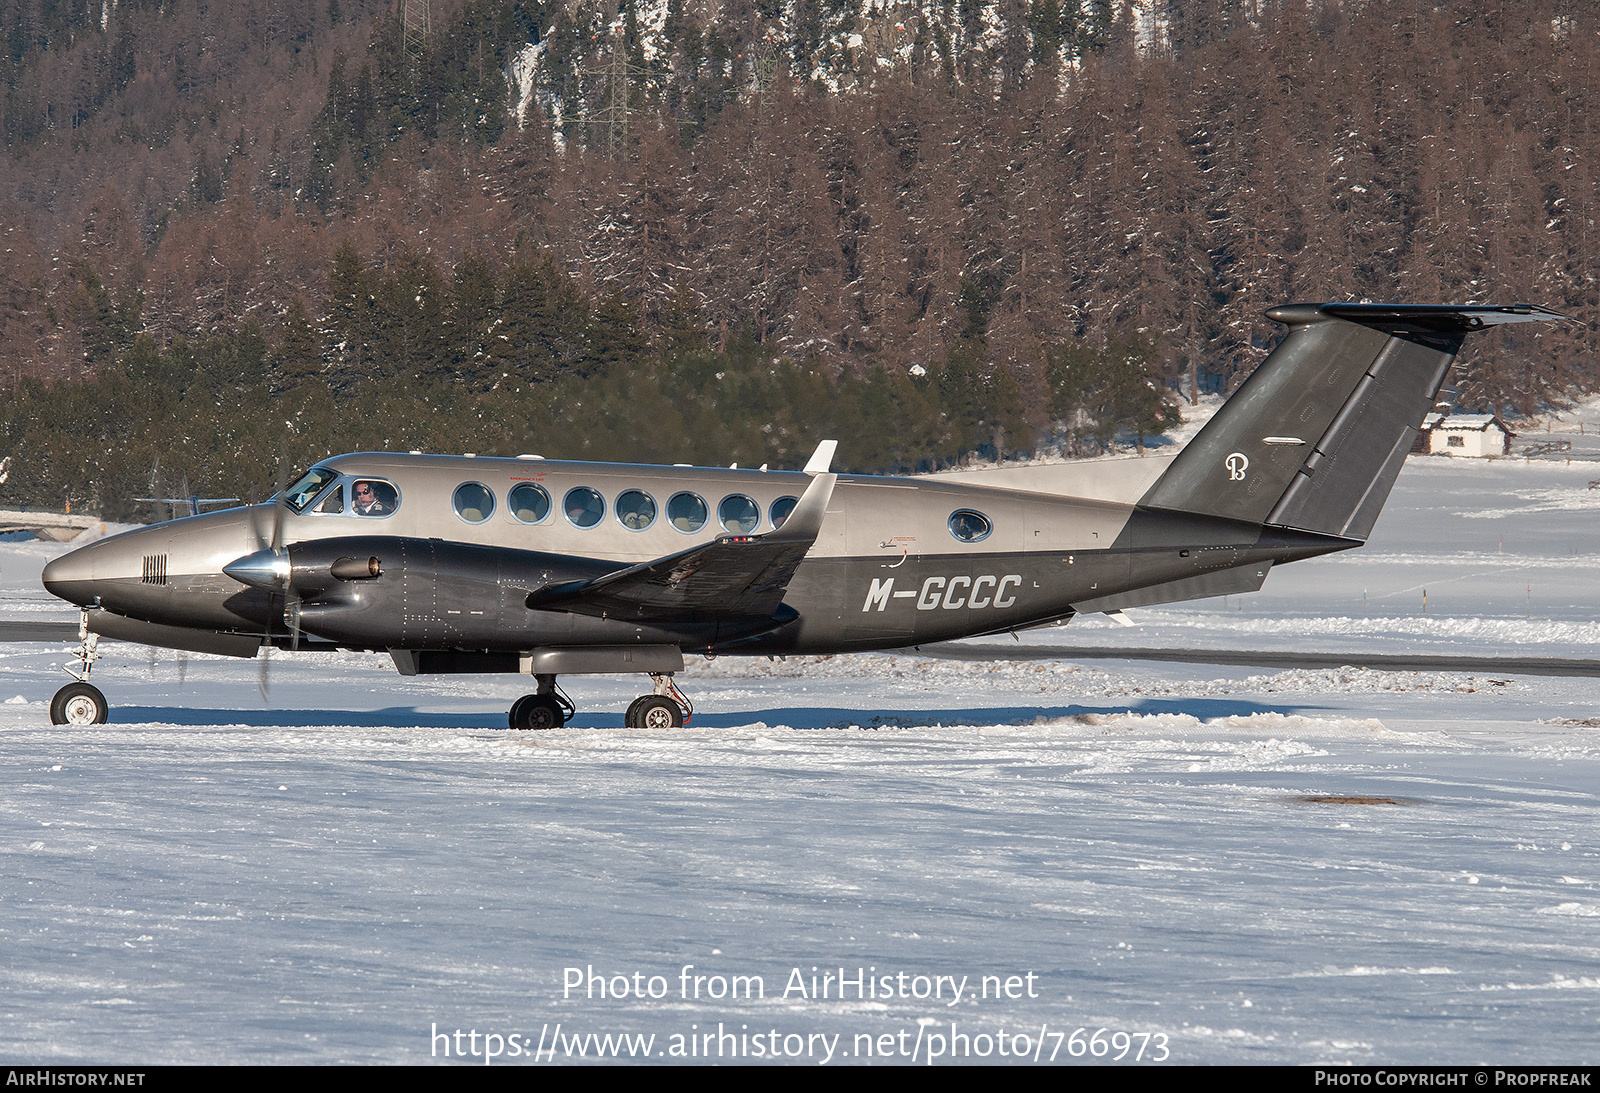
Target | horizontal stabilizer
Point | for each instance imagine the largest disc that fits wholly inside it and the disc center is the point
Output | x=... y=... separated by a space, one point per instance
x=1221 y=582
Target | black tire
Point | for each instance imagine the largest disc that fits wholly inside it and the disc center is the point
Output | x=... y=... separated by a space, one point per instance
x=655 y=712
x=79 y=704
x=631 y=718
x=537 y=712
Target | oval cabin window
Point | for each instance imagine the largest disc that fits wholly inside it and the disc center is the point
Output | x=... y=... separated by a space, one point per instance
x=969 y=526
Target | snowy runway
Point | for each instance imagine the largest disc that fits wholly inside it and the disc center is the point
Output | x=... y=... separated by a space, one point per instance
x=369 y=859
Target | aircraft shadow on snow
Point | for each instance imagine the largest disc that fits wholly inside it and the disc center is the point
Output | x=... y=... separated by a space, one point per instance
x=790 y=717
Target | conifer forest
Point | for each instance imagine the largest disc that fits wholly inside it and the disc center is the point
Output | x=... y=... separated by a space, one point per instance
x=241 y=236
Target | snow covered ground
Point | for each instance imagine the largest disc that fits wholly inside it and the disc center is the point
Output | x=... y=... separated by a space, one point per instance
x=1225 y=865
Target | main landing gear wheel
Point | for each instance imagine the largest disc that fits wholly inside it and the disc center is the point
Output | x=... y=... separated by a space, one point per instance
x=78 y=704
x=654 y=712
x=667 y=708
x=537 y=712
x=547 y=708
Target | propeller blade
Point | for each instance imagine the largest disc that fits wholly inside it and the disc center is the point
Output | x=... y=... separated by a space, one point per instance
x=291 y=602
x=273 y=537
x=268 y=568
x=280 y=505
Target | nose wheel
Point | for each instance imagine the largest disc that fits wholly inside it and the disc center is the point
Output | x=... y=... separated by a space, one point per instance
x=79 y=704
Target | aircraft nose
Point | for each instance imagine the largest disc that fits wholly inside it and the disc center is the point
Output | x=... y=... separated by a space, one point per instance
x=71 y=576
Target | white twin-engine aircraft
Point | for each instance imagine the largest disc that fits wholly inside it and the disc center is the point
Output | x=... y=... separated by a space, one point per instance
x=458 y=564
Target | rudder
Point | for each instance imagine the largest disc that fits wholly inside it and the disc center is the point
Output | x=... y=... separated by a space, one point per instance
x=1314 y=439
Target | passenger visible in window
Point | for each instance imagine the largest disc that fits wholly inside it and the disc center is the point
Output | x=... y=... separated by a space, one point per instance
x=968 y=526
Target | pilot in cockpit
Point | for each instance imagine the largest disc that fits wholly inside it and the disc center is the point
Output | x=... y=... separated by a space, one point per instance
x=369 y=500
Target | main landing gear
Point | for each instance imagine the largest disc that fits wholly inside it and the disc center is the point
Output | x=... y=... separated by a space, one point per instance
x=81 y=703
x=547 y=708
x=667 y=708
x=550 y=708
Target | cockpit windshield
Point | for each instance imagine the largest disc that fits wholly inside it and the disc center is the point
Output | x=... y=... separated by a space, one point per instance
x=304 y=491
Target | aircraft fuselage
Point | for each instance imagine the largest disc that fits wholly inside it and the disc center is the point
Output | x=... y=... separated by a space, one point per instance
x=887 y=570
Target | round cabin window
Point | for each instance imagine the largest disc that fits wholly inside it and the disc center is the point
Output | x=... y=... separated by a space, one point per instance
x=687 y=512
x=584 y=507
x=781 y=508
x=529 y=503
x=636 y=510
x=473 y=502
x=739 y=514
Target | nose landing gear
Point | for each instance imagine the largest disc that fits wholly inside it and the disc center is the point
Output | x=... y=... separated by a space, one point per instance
x=81 y=703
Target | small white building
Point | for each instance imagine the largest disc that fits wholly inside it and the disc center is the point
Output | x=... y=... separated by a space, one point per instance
x=1475 y=435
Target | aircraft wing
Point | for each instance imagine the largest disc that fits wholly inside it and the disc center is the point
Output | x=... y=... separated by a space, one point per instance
x=737 y=576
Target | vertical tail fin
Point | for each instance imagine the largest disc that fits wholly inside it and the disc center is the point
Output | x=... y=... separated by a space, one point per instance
x=1315 y=438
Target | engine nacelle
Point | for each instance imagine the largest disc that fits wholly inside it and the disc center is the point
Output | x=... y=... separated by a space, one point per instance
x=408 y=593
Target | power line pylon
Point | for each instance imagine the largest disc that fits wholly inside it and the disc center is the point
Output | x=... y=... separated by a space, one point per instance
x=619 y=74
x=415 y=27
